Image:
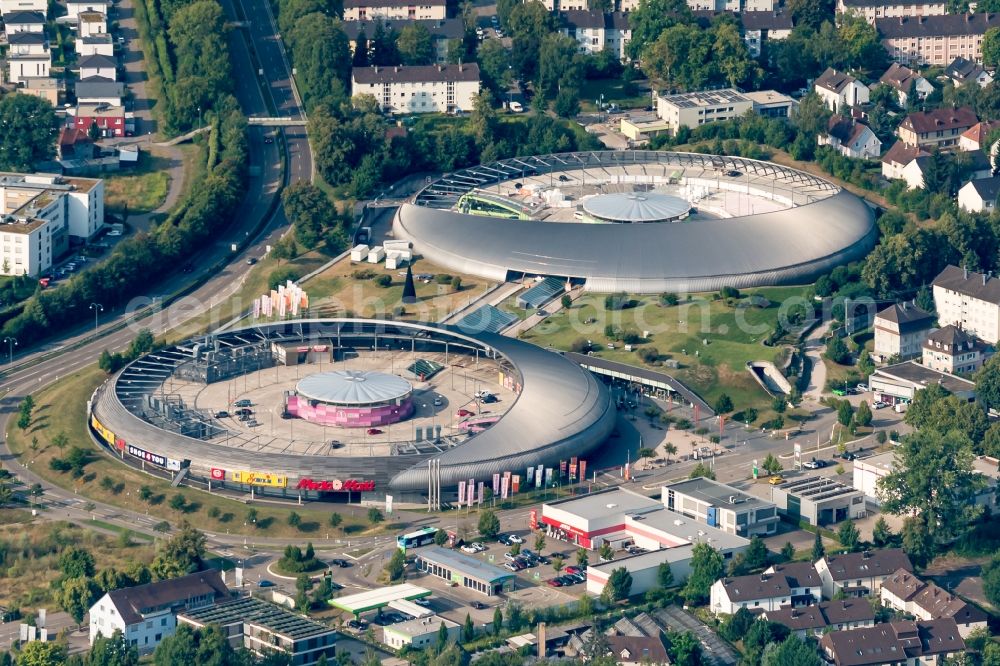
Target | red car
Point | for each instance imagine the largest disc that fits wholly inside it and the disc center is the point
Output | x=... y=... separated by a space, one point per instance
x=374 y=431
x=465 y=412
x=554 y=582
x=572 y=570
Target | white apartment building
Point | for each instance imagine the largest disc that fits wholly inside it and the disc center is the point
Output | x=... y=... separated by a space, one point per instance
x=22 y=67
x=146 y=614
x=24 y=21
x=876 y=9
x=28 y=44
x=737 y=6
x=952 y=350
x=92 y=23
x=935 y=40
x=762 y=26
x=724 y=507
x=597 y=31
x=419 y=89
x=698 y=108
x=76 y=7
x=98 y=65
x=41 y=213
x=970 y=299
x=980 y=195
x=840 y=90
x=11 y=6
x=900 y=330
x=364 y=10
x=95 y=45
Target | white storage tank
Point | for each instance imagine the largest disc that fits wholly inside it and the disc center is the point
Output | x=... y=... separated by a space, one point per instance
x=359 y=253
x=376 y=254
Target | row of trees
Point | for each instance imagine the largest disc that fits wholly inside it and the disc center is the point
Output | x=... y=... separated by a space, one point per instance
x=207 y=208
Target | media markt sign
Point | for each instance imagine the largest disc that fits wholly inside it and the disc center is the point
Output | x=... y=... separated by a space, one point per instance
x=337 y=486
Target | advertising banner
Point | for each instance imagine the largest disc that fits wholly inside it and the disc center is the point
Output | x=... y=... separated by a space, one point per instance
x=503 y=487
x=142 y=454
x=472 y=493
x=218 y=474
x=562 y=468
x=583 y=469
x=538 y=476
x=461 y=492
x=548 y=476
x=533 y=519
x=482 y=492
x=530 y=476
x=515 y=483
x=572 y=471
x=388 y=505
x=173 y=465
x=102 y=432
x=260 y=479
x=496 y=484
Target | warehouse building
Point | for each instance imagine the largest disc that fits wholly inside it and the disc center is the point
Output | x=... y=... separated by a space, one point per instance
x=593 y=519
x=466 y=571
x=721 y=506
x=818 y=500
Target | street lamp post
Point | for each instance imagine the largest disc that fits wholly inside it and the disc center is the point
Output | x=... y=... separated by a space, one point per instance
x=97 y=308
x=11 y=343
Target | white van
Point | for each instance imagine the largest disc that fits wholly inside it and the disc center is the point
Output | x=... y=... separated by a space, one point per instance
x=515 y=107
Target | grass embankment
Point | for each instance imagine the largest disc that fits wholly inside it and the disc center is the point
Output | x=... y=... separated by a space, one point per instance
x=139 y=190
x=61 y=408
x=29 y=554
x=711 y=340
x=626 y=94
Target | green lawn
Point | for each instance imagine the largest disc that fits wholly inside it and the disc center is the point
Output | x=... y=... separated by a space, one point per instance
x=625 y=94
x=141 y=190
x=711 y=339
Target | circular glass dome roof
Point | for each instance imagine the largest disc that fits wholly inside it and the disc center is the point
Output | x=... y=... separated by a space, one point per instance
x=636 y=207
x=353 y=387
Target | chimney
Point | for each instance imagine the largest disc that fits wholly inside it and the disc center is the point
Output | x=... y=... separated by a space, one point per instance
x=866 y=554
x=984 y=279
x=965 y=272
x=397 y=68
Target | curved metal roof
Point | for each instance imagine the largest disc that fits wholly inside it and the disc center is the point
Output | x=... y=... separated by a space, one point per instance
x=636 y=206
x=562 y=410
x=353 y=387
x=794 y=245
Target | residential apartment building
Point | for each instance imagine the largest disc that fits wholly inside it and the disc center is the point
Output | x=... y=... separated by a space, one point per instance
x=40 y=214
x=905 y=82
x=903 y=643
x=100 y=91
x=12 y=6
x=23 y=67
x=970 y=299
x=952 y=350
x=761 y=26
x=92 y=23
x=698 y=108
x=442 y=31
x=419 y=89
x=935 y=40
x=736 y=6
x=76 y=7
x=721 y=506
x=980 y=195
x=818 y=619
x=365 y=10
x=900 y=331
x=876 y=9
x=940 y=128
x=840 y=90
x=904 y=592
x=860 y=574
x=790 y=585
x=962 y=71
x=102 y=45
x=851 y=138
x=110 y=119
x=28 y=44
x=45 y=87
x=597 y=31
x=146 y=614
x=24 y=21
x=264 y=628
x=98 y=65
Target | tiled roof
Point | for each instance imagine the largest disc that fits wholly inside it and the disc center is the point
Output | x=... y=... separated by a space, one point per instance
x=133 y=602
x=867 y=564
x=906 y=316
x=987 y=188
x=900 y=153
x=647 y=650
x=799 y=574
x=899 y=77
x=23 y=18
x=759 y=586
x=969 y=283
x=940 y=120
x=416 y=73
x=833 y=80
x=766 y=20
x=893 y=642
x=438 y=28
x=936 y=26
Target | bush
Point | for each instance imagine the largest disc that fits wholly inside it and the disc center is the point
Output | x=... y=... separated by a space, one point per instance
x=580 y=346
x=618 y=301
x=384 y=280
x=443 y=278
x=363 y=274
x=649 y=355
x=280 y=276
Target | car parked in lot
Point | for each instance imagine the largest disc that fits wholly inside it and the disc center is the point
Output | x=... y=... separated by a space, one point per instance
x=862 y=387
x=343 y=564
x=469 y=548
x=479 y=605
x=243 y=402
x=775 y=480
x=357 y=625
x=465 y=412
x=554 y=582
x=221 y=414
x=847 y=455
x=811 y=464
x=374 y=431
x=878 y=404
x=512 y=538
x=243 y=411
x=574 y=569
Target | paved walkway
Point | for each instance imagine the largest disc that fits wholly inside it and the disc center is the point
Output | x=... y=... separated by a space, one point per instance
x=814 y=352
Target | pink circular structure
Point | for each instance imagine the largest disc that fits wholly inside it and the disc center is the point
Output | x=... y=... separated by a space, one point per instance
x=351 y=399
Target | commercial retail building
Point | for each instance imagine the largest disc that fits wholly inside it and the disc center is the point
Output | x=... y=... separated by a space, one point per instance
x=420 y=632
x=818 y=500
x=721 y=506
x=464 y=571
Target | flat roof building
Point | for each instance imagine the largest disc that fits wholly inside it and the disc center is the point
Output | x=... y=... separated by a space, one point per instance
x=419 y=633
x=379 y=598
x=721 y=506
x=264 y=628
x=867 y=472
x=693 y=109
x=586 y=521
x=900 y=382
x=818 y=500
x=468 y=572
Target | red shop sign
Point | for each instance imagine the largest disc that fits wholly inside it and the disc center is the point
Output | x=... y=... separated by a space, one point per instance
x=349 y=485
